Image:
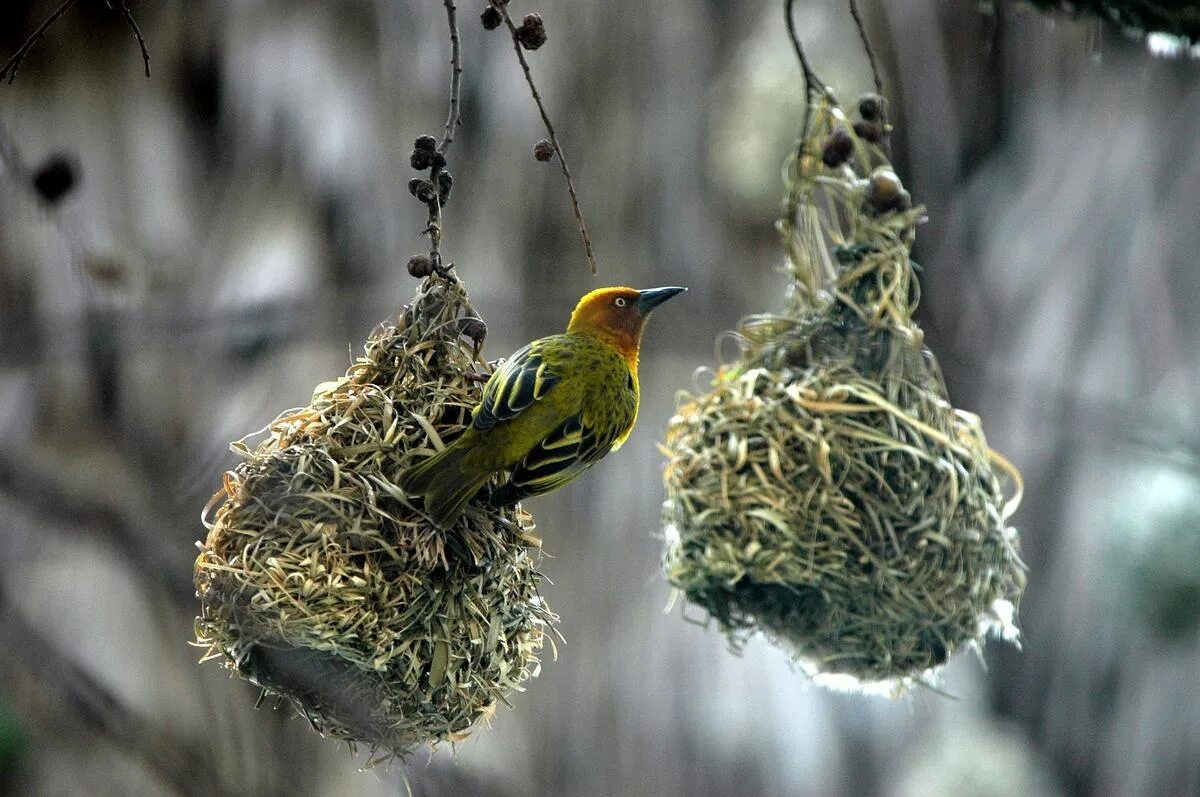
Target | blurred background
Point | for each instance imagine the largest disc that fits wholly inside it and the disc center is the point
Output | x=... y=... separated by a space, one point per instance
x=238 y=223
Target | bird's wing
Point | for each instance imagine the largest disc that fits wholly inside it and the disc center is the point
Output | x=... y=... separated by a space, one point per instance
x=523 y=379
x=562 y=455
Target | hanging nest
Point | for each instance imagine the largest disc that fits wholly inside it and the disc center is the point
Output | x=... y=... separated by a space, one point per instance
x=824 y=491
x=321 y=584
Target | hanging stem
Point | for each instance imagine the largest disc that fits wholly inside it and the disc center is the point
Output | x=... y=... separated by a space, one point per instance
x=14 y=63
x=866 y=42
x=813 y=87
x=11 y=66
x=137 y=32
x=812 y=84
x=562 y=158
x=453 y=119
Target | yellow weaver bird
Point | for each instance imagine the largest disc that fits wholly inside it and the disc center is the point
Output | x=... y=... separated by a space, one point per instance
x=553 y=409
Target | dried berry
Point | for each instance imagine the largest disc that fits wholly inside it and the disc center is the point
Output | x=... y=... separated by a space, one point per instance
x=869 y=131
x=414 y=184
x=885 y=191
x=490 y=18
x=56 y=177
x=838 y=148
x=425 y=143
x=445 y=183
x=543 y=150
x=420 y=159
x=870 y=106
x=532 y=33
x=437 y=160
x=420 y=266
x=473 y=328
x=425 y=192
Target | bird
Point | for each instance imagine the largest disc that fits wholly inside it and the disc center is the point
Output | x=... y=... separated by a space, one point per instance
x=549 y=412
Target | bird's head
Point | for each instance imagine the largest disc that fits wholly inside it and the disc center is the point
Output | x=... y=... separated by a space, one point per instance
x=618 y=315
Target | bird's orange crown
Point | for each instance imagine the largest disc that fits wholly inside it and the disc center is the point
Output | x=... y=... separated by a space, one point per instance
x=618 y=315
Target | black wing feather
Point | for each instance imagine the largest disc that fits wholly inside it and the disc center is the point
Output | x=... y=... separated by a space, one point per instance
x=565 y=453
x=523 y=379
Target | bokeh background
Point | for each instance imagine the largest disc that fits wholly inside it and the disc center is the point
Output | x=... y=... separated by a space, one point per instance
x=241 y=222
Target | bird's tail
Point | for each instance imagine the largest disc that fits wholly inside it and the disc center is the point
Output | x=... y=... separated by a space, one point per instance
x=444 y=483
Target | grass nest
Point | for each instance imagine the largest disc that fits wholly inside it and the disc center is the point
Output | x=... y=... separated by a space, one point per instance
x=824 y=491
x=319 y=582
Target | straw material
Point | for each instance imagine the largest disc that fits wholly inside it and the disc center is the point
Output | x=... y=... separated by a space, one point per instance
x=320 y=583
x=824 y=491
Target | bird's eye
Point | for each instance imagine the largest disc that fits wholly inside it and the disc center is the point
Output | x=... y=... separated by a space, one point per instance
x=619 y=301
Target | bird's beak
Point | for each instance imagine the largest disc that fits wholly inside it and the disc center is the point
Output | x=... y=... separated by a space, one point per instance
x=649 y=299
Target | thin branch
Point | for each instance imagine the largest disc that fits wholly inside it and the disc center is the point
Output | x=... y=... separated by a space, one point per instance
x=11 y=66
x=434 y=228
x=813 y=85
x=14 y=63
x=866 y=42
x=128 y=15
x=562 y=158
x=453 y=120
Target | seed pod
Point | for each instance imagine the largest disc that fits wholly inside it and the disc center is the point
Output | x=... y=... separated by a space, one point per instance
x=869 y=131
x=426 y=192
x=490 y=18
x=885 y=190
x=870 y=106
x=838 y=148
x=414 y=184
x=420 y=159
x=532 y=33
x=543 y=150
x=425 y=143
x=420 y=266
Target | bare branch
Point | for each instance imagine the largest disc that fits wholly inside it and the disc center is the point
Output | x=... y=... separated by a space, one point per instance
x=14 y=63
x=11 y=66
x=866 y=41
x=434 y=227
x=128 y=15
x=453 y=120
x=812 y=84
x=562 y=158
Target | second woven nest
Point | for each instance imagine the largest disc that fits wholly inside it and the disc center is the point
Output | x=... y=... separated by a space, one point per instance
x=824 y=491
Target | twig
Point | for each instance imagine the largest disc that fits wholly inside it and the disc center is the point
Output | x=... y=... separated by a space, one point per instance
x=14 y=63
x=453 y=120
x=866 y=41
x=128 y=15
x=862 y=32
x=812 y=84
x=562 y=158
x=434 y=228
x=11 y=66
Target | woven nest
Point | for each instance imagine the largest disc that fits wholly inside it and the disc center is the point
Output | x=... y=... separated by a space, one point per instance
x=322 y=585
x=824 y=491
